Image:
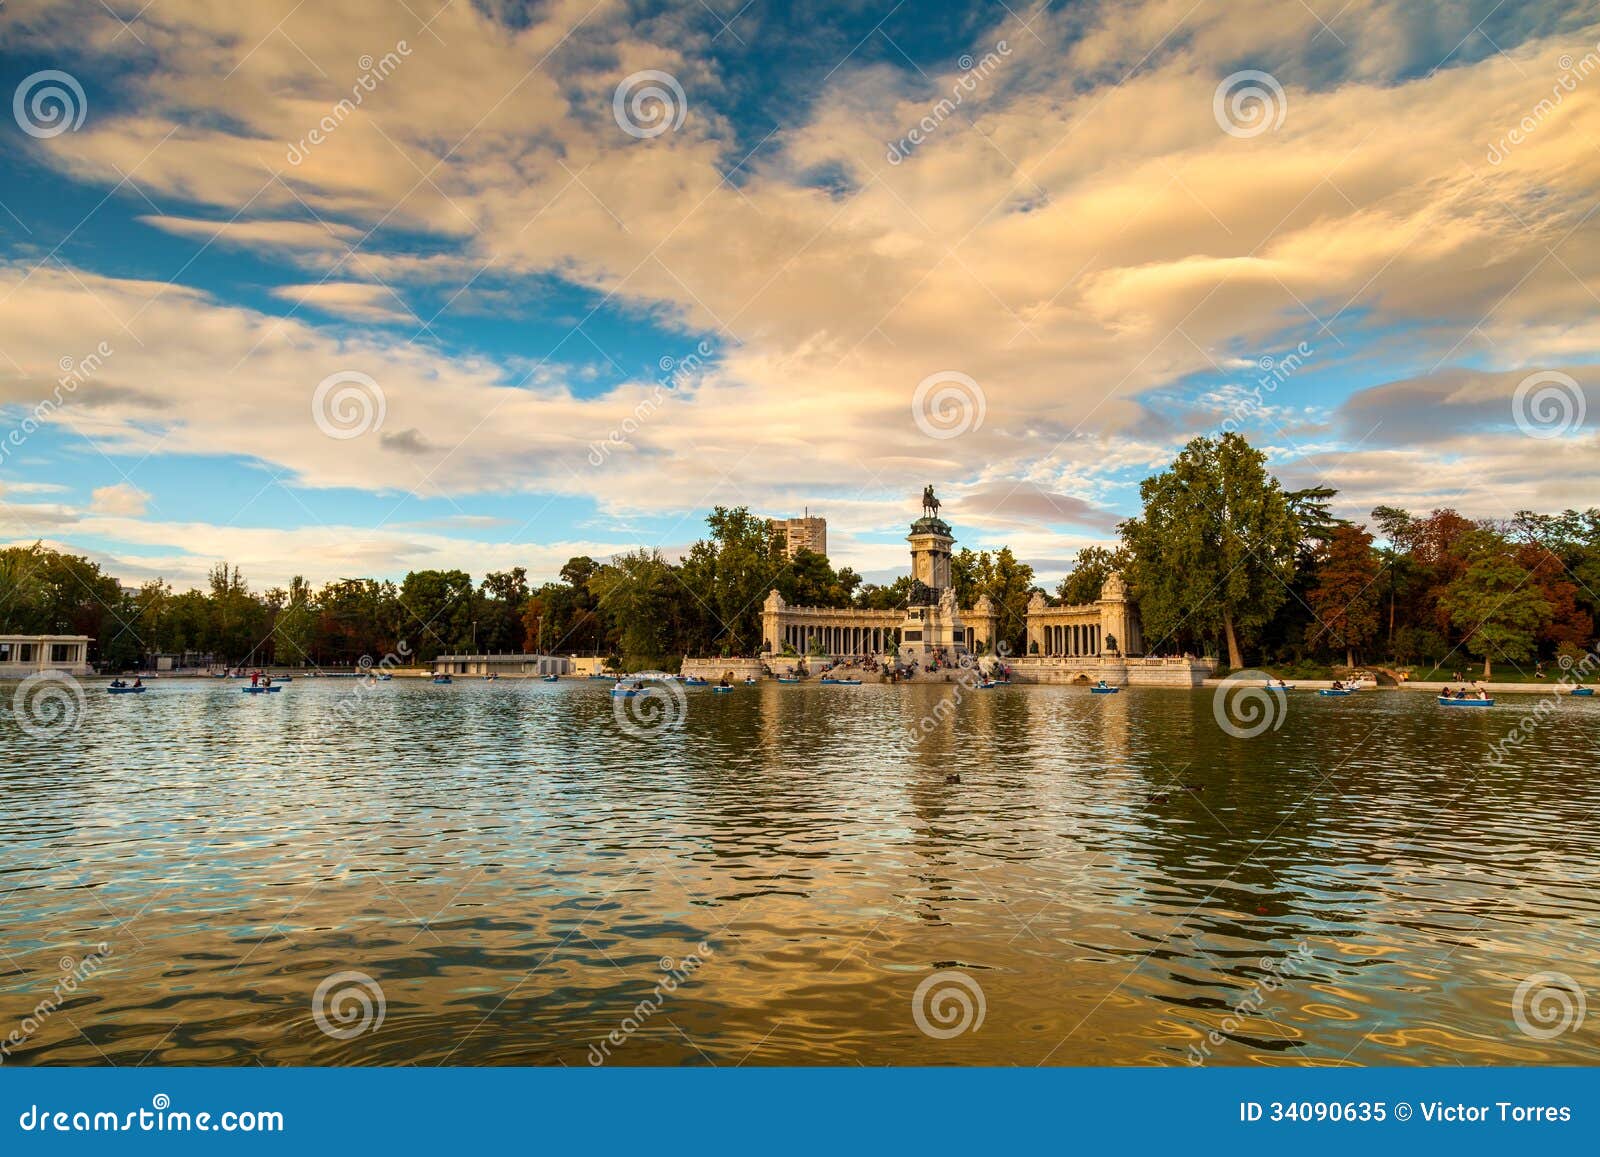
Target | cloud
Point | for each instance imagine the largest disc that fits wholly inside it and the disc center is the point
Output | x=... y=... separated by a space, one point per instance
x=351 y=299
x=122 y=500
x=1082 y=238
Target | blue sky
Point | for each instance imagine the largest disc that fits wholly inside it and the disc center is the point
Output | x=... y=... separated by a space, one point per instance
x=558 y=322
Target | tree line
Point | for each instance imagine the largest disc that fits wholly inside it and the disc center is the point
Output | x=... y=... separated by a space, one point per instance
x=1221 y=560
x=1224 y=559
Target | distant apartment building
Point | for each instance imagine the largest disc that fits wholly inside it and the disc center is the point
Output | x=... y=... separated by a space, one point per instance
x=804 y=533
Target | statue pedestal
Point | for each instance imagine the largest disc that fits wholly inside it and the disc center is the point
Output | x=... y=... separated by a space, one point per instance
x=928 y=630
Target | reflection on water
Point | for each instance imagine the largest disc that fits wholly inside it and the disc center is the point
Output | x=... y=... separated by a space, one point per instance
x=1112 y=880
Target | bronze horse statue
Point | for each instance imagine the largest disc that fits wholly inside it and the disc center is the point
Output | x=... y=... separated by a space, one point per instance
x=930 y=504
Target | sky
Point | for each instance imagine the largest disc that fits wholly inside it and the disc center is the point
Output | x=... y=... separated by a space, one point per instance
x=350 y=288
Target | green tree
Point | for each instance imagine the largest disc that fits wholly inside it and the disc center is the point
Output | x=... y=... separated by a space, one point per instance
x=1214 y=550
x=639 y=594
x=1091 y=568
x=1494 y=603
x=438 y=612
x=728 y=576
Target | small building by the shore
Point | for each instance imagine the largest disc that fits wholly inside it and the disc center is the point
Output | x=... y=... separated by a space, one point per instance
x=510 y=665
x=24 y=655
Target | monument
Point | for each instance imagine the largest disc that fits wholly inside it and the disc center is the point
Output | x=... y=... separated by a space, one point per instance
x=932 y=625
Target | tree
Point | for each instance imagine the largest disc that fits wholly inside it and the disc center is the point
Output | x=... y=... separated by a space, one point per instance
x=1345 y=599
x=1494 y=603
x=1091 y=568
x=502 y=595
x=437 y=611
x=294 y=631
x=637 y=591
x=729 y=576
x=1214 y=550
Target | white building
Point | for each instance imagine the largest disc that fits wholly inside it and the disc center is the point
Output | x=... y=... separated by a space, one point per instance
x=508 y=665
x=24 y=655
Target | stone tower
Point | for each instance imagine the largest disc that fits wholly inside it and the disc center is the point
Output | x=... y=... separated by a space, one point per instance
x=931 y=540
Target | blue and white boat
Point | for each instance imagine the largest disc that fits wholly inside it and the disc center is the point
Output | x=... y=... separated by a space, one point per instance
x=125 y=690
x=259 y=690
x=1333 y=692
x=1103 y=688
x=1452 y=701
x=441 y=680
x=1584 y=691
x=551 y=678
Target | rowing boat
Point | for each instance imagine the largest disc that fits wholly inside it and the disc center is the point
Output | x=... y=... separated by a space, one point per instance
x=1333 y=692
x=1451 y=701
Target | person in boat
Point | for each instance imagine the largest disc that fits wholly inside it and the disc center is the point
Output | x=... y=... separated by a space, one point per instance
x=138 y=682
x=1446 y=692
x=1282 y=686
x=1337 y=686
x=255 y=678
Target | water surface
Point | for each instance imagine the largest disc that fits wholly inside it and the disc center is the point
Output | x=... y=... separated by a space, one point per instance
x=1114 y=878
